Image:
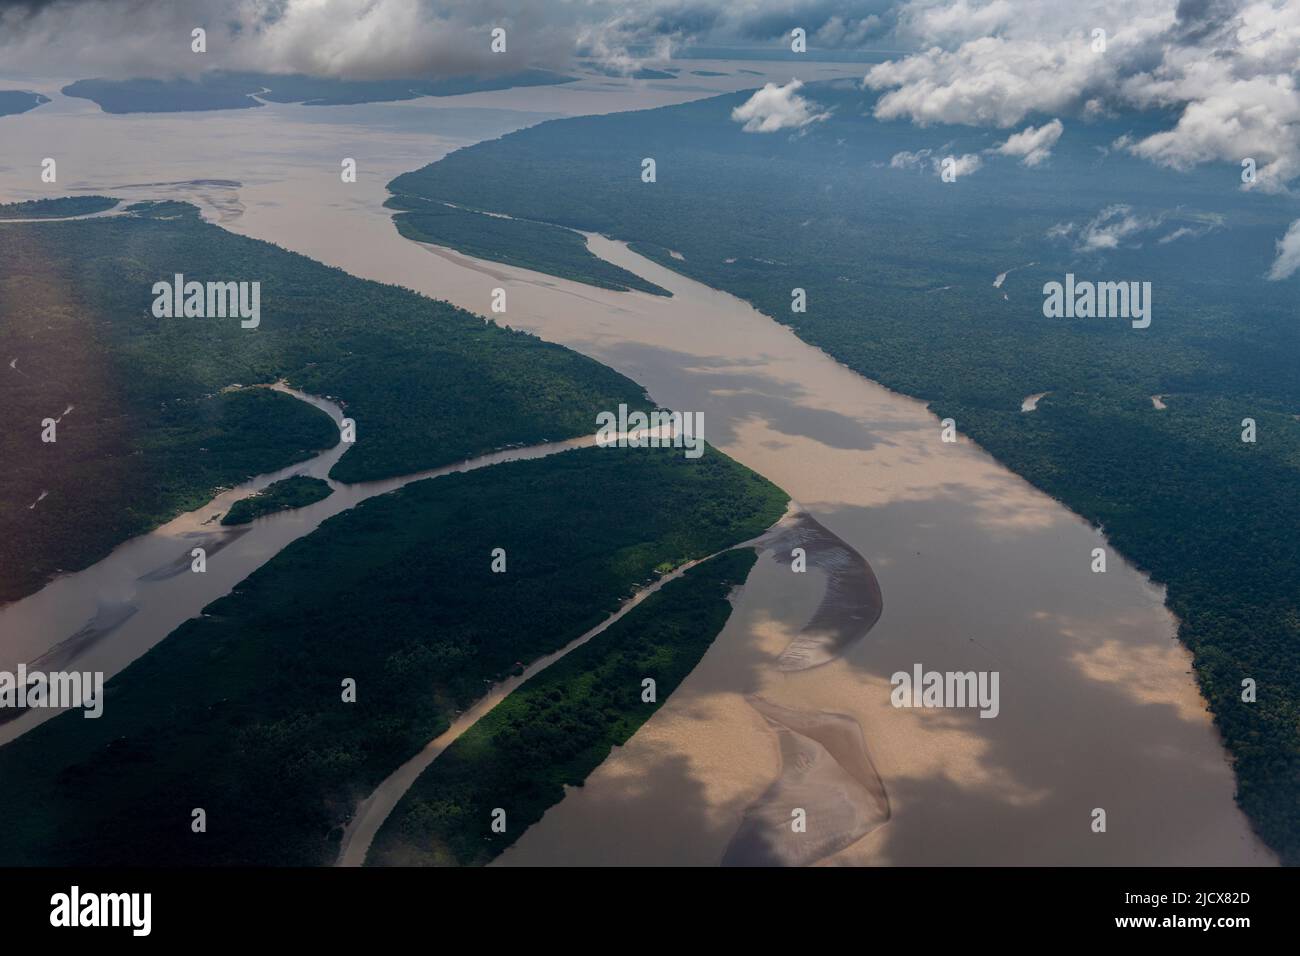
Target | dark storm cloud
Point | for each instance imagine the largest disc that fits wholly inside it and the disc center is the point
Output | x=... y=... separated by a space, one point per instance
x=363 y=39
x=831 y=22
x=684 y=19
x=373 y=39
x=1198 y=20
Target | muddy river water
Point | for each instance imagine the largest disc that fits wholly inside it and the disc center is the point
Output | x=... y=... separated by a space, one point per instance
x=977 y=571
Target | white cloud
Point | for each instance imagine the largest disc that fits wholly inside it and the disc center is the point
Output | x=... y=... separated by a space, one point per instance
x=1032 y=145
x=843 y=32
x=1107 y=230
x=1119 y=225
x=1204 y=224
x=1288 y=254
x=336 y=37
x=988 y=81
x=907 y=160
x=1227 y=70
x=775 y=108
x=959 y=20
x=1095 y=109
x=962 y=165
x=1229 y=119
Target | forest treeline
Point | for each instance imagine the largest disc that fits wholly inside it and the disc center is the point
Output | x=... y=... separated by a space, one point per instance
x=516 y=242
x=57 y=207
x=228 y=90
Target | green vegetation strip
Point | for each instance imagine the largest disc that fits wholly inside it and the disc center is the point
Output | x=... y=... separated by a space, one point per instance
x=56 y=208
x=224 y=90
x=240 y=711
x=516 y=242
x=19 y=101
x=288 y=493
x=559 y=726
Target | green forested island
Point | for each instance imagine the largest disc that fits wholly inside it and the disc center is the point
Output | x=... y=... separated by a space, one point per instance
x=559 y=726
x=516 y=242
x=58 y=208
x=284 y=495
x=19 y=101
x=225 y=90
x=899 y=269
x=243 y=712
x=641 y=73
x=147 y=426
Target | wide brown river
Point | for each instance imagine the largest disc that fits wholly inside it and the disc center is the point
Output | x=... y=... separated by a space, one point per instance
x=978 y=571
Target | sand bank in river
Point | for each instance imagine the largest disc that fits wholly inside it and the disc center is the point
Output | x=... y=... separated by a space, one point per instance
x=826 y=777
x=852 y=602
